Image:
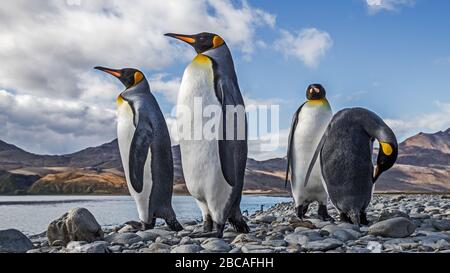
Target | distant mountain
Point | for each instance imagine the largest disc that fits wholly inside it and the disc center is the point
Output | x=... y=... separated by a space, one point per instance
x=423 y=165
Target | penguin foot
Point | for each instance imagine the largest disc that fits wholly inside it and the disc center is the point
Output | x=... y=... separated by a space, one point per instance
x=323 y=213
x=145 y=226
x=363 y=219
x=302 y=210
x=345 y=218
x=174 y=225
x=219 y=230
x=239 y=225
x=208 y=224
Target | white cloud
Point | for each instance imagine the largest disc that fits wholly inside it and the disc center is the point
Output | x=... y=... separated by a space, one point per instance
x=427 y=123
x=48 y=51
x=48 y=47
x=168 y=87
x=388 y=5
x=308 y=45
x=45 y=125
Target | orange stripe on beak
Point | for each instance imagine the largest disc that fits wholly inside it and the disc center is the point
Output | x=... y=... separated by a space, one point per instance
x=113 y=72
x=185 y=38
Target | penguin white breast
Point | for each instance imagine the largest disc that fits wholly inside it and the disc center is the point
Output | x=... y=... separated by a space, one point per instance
x=200 y=155
x=125 y=133
x=313 y=120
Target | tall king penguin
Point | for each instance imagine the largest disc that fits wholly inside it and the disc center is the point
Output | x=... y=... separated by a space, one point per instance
x=213 y=168
x=308 y=125
x=145 y=149
x=345 y=152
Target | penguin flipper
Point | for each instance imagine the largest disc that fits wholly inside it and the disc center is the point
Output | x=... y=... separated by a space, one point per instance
x=290 y=142
x=143 y=137
x=232 y=150
x=316 y=154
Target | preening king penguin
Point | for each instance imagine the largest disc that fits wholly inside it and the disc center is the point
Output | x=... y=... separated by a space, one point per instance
x=213 y=168
x=145 y=149
x=345 y=152
x=308 y=125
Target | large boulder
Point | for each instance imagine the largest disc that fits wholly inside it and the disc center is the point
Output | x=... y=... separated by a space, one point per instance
x=14 y=241
x=399 y=227
x=76 y=225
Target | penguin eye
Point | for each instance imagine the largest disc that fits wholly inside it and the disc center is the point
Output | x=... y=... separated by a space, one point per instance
x=311 y=90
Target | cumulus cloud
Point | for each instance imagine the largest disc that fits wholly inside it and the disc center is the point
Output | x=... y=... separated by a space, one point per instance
x=47 y=47
x=45 y=125
x=165 y=85
x=427 y=123
x=388 y=5
x=309 y=45
x=56 y=102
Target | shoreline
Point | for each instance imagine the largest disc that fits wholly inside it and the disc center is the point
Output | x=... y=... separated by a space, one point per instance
x=399 y=223
x=275 y=194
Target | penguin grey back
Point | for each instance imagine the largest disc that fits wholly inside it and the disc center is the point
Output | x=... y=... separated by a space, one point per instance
x=345 y=153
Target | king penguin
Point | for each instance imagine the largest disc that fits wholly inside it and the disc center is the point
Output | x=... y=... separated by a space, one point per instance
x=214 y=168
x=145 y=149
x=345 y=152
x=308 y=125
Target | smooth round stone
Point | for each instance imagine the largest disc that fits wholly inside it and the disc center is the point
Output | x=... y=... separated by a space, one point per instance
x=186 y=241
x=357 y=250
x=268 y=219
x=275 y=243
x=344 y=235
x=83 y=247
x=375 y=247
x=395 y=228
x=14 y=241
x=127 y=229
x=216 y=245
x=128 y=251
x=330 y=228
x=386 y=215
x=183 y=233
x=115 y=249
x=192 y=248
x=156 y=248
x=244 y=239
x=235 y=250
x=324 y=245
x=283 y=229
x=123 y=238
x=348 y=226
x=256 y=249
x=168 y=240
x=442 y=225
x=296 y=239
x=188 y=222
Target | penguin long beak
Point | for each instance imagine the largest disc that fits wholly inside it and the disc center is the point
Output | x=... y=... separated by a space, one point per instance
x=116 y=73
x=190 y=39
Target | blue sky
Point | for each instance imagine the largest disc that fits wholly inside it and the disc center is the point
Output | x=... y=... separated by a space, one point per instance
x=396 y=63
x=391 y=56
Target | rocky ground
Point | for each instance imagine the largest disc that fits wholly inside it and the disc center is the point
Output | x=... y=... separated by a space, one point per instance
x=402 y=223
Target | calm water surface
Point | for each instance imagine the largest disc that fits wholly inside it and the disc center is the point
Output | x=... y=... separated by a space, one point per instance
x=32 y=214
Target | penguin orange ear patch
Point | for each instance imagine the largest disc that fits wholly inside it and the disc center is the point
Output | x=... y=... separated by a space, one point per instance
x=387 y=148
x=138 y=77
x=217 y=41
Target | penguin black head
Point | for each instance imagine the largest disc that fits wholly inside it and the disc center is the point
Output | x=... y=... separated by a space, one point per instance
x=128 y=76
x=201 y=42
x=387 y=156
x=315 y=92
